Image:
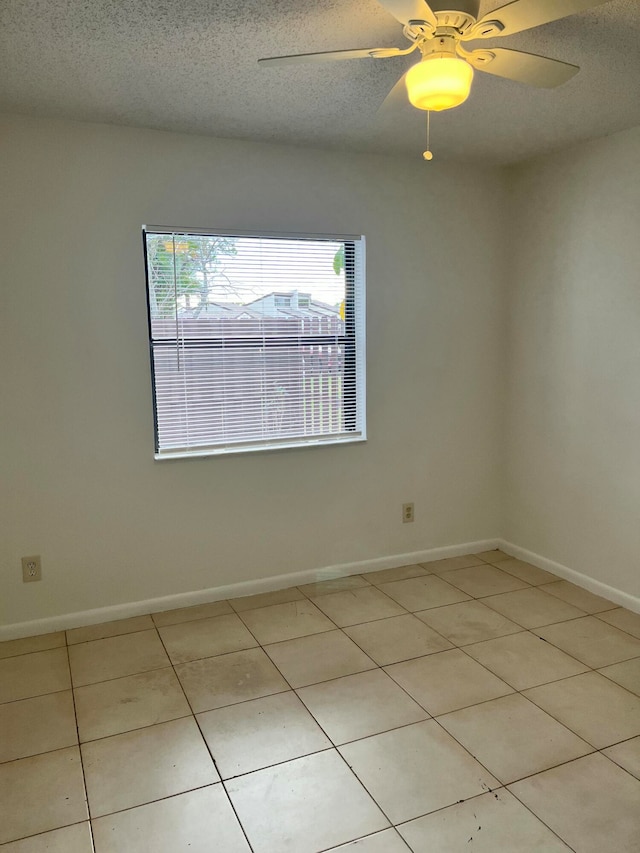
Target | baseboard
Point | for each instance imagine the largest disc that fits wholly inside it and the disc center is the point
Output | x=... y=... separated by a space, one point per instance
x=253 y=587
x=236 y=590
x=624 y=599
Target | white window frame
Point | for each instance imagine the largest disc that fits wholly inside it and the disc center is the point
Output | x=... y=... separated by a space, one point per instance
x=355 y=310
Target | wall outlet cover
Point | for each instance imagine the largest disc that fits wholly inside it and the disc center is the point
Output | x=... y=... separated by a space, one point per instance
x=31 y=569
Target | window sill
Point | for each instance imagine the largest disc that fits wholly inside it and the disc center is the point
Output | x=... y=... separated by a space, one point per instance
x=236 y=450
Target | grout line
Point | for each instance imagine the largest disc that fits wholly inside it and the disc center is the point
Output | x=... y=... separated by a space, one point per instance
x=613 y=761
x=84 y=775
x=566 y=725
x=393 y=828
x=330 y=747
x=136 y=729
x=584 y=663
x=155 y=800
x=33 y=652
x=37 y=835
x=37 y=696
x=364 y=787
x=564 y=763
x=118 y=677
x=617 y=683
x=111 y=637
x=601 y=613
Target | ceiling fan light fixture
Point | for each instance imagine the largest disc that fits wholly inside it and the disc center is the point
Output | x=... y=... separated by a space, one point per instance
x=439 y=82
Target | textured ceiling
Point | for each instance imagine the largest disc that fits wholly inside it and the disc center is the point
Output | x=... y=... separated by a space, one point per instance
x=190 y=65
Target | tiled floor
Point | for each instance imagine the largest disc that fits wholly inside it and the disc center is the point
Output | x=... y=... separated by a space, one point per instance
x=472 y=704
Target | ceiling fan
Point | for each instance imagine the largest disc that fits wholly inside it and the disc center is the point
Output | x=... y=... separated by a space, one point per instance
x=443 y=77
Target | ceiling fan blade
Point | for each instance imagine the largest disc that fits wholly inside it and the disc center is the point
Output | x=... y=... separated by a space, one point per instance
x=330 y=55
x=410 y=10
x=525 y=14
x=397 y=97
x=523 y=67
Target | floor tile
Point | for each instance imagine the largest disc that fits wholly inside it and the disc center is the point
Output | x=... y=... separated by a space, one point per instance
x=34 y=674
x=115 y=657
x=308 y=660
x=36 y=725
x=148 y=764
x=387 y=841
x=626 y=755
x=402 y=573
x=324 y=804
x=186 y=822
x=266 y=599
x=109 y=629
x=523 y=660
x=592 y=641
x=491 y=823
x=627 y=674
x=579 y=597
x=623 y=619
x=357 y=706
x=11 y=648
x=336 y=584
x=124 y=704
x=591 y=804
x=256 y=734
x=447 y=681
x=593 y=707
x=397 y=639
x=480 y=581
x=512 y=737
x=527 y=572
x=532 y=608
x=415 y=770
x=70 y=839
x=227 y=679
x=451 y=563
x=286 y=621
x=205 y=638
x=354 y=606
x=493 y=557
x=191 y=614
x=468 y=622
x=422 y=593
x=41 y=793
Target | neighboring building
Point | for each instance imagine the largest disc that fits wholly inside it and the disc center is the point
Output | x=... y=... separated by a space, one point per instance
x=287 y=304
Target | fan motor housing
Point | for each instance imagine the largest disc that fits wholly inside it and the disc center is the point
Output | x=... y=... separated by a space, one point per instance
x=468 y=7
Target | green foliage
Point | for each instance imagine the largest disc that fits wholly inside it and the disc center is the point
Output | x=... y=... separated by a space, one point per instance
x=338 y=260
x=183 y=267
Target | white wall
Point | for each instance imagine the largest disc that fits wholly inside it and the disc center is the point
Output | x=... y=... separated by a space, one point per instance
x=78 y=481
x=573 y=460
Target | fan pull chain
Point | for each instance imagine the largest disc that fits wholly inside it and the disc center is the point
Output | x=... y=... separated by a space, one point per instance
x=428 y=155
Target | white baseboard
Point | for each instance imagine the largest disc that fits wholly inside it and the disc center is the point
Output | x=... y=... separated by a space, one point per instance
x=204 y=596
x=624 y=599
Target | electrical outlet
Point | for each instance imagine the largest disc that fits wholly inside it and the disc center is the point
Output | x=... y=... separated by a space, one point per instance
x=407 y=513
x=31 y=569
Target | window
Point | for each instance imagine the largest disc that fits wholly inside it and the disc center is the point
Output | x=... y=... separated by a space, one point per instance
x=256 y=341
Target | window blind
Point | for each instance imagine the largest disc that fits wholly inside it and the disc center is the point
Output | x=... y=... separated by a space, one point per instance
x=256 y=341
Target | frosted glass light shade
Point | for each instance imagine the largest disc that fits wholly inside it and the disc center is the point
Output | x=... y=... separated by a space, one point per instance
x=439 y=82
